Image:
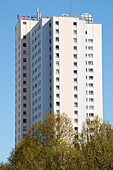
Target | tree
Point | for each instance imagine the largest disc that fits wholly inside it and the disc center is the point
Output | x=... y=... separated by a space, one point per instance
x=47 y=146
x=96 y=145
x=54 y=145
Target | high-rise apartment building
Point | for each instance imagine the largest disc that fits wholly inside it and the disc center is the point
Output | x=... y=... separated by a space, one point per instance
x=58 y=68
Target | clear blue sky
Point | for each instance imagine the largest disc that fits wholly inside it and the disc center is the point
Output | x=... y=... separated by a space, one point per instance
x=102 y=12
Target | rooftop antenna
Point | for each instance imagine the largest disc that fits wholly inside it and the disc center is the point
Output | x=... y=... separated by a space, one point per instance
x=70 y=6
x=38 y=14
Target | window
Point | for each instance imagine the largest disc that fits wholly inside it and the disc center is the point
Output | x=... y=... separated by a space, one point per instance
x=75 y=31
x=75 y=47
x=85 y=32
x=24 y=68
x=90 y=84
x=90 y=48
x=24 y=113
x=57 y=22
x=57 y=95
x=75 y=96
x=57 y=63
x=24 y=36
x=75 y=104
x=75 y=39
x=57 y=79
x=24 y=120
x=57 y=31
x=24 y=105
x=90 y=62
x=91 y=114
x=24 y=90
x=57 y=47
x=75 y=23
x=57 y=55
x=76 y=128
x=57 y=111
x=90 y=77
x=24 y=97
x=75 y=55
x=75 y=71
x=91 y=107
x=75 y=80
x=76 y=120
x=90 y=40
x=24 y=82
x=90 y=55
x=57 y=87
x=75 y=87
x=24 y=128
x=75 y=63
x=57 y=39
x=91 y=100
x=24 y=60
x=24 y=44
x=49 y=40
x=24 y=23
x=86 y=40
x=24 y=52
x=90 y=69
x=24 y=75
x=57 y=103
x=76 y=112
x=91 y=93
x=57 y=71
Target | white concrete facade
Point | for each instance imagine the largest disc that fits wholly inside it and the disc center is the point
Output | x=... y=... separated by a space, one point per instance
x=65 y=69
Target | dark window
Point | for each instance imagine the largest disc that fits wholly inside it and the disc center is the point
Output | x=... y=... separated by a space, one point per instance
x=24 y=75
x=57 y=103
x=57 y=55
x=24 y=90
x=24 y=97
x=75 y=47
x=24 y=52
x=24 y=60
x=57 y=39
x=24 y=68
x=24 y=82
x=24 y=105
x=75 y=23
x=49 y=40
x=57 y=47
x=24 y=128
x=24 y=36
x=76 y=112
x=76 y=128
x=57 y=22
x=75 y=71
x=24 y=44
x=24 y=120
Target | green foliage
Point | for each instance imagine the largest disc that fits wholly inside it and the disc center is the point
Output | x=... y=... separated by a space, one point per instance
x=54 y=145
